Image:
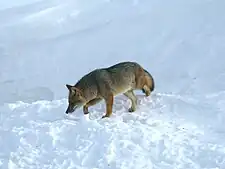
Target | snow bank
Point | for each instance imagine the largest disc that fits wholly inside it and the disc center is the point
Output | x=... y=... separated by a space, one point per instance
x=46 y=44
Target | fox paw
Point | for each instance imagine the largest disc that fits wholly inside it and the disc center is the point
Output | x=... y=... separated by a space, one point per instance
x=131 y=109
x=105 y=116
x=86 y=112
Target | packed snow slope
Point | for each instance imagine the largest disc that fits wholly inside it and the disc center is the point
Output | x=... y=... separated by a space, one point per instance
x=45 y=44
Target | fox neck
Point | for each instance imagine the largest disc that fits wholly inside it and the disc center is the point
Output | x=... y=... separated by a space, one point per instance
x=82 y=91
x=88 y=93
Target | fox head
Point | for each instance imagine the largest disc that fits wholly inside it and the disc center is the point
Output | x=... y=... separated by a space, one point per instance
x=75 y=99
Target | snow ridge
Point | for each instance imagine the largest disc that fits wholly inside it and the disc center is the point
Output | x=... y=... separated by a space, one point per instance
x=155 y=136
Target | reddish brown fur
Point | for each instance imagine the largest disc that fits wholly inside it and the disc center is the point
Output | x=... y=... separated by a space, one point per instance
x=106 y=83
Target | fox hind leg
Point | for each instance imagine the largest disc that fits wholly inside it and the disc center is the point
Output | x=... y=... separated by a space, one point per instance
x=133 y=98
x=90 y=103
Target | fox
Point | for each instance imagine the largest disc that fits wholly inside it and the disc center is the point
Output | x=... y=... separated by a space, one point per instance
x=108 y=82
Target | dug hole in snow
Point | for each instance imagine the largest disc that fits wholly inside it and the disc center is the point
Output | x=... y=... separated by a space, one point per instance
x=47 y=44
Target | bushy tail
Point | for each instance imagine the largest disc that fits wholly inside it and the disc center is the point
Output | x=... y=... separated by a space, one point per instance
x=152 y=87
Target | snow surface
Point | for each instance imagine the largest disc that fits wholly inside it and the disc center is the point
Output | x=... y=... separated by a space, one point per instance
x=45 y=44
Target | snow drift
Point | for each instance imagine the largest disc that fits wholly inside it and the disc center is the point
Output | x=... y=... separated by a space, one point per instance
x=46 y=44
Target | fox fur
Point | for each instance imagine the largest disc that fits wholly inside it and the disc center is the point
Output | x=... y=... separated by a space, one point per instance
x=106 y=83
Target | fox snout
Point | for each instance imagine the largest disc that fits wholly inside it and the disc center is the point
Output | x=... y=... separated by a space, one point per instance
x=70 y=109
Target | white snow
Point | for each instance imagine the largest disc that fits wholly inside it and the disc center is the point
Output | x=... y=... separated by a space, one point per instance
x=45 y=44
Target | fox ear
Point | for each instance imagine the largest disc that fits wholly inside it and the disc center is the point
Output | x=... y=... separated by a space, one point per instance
x=69 y=87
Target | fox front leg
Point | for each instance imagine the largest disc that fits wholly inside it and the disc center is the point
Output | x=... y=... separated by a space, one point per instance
x=133 y=98
x=109 y=104
x=90 y=103
x=85 y=109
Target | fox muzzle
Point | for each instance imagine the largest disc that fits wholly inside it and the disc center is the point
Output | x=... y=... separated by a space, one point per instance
x=71 y=109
